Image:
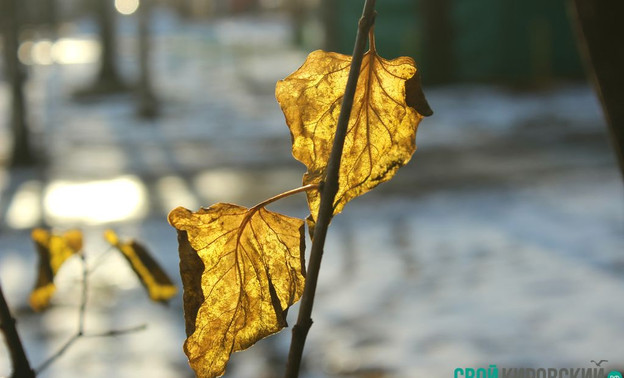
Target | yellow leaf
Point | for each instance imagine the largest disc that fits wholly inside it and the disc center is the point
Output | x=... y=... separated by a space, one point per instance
x=152 y=276
x=53 y=250
x=387 y=108
x=241 y=270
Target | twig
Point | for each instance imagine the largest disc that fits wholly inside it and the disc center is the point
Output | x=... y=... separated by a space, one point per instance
x=21 y=366
x=117 y=332
x=81 y=322
x=328 y=194
x=45 y=364
x=83 y=297
x=81 y=317
x=76 y=336
x=99 y=258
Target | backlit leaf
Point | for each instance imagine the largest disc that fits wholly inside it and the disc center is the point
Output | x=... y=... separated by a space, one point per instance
x=387 y=108
x=152 y=276
x=252 y=271
x=53 y=250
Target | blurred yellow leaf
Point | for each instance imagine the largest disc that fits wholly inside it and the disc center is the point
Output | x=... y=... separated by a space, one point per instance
x=387 y=108
x=53 y=250
x=152 y=276
x=241 y=270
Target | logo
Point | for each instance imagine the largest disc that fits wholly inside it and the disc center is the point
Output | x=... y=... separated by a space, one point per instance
x=570 y=372
x=599 y=363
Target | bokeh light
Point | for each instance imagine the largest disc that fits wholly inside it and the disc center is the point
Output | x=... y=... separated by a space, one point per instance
x=126 y=7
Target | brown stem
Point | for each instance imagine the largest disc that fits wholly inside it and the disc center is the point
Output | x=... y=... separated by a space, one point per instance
x=250 y=213
x=21 y=366
x=328 y=194
x=285 y=194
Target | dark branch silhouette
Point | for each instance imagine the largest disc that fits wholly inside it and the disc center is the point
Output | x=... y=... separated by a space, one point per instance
x=21 y=366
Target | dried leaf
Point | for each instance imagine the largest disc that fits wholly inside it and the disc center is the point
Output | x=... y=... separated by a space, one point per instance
x=53 y=250
x=387 y=108
x=251 y=266
x=158 y=285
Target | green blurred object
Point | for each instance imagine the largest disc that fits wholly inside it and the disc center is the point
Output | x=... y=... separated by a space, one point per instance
x=516 y=42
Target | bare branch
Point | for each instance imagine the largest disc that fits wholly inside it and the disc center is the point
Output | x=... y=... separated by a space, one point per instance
x=81 y=322
x=21 y=366
x=328 y=194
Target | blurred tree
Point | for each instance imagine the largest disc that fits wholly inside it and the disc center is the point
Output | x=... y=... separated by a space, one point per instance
x=329 y=16
x=108 y=74
x=22 y=154
x=108 y=79
x=297 y=14
x=147 y=102
x=437 y=40
x=184 y=8
x=40 y=13
x=601 y=30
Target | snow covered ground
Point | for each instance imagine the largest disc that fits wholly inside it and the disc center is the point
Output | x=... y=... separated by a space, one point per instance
x=500 y=243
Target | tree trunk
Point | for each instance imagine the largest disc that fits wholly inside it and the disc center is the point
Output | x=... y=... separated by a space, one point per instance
x=22 y=154
x=437 y=41
x=600 y=30
x=296 y=9
x=329 y=14
x=108 y=78
x=147 y=100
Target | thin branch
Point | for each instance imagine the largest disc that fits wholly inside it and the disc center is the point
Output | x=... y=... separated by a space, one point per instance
x=77 y=336
x=80 y=332
x=117 y=332
x=99 y=258
x=81 y=317
x=328 y=194
x=45 y=364
x=21 y=366
x=83 y=298
x=285 y=194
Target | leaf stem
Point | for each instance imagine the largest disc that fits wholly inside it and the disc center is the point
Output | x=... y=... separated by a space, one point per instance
x=250 y=213
x=371 y=40
x=285 y=194
x=328 y=194
x=21 y=366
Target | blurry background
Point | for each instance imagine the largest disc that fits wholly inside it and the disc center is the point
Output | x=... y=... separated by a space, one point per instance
x=500 y=243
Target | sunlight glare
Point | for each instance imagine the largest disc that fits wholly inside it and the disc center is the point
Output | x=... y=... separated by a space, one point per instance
x=25 y=209
x=24 y=52
x=75 y=51
x=96 y=202
x=213 y=185
x=174 y=191
x=126 y=7
x=41 y=53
